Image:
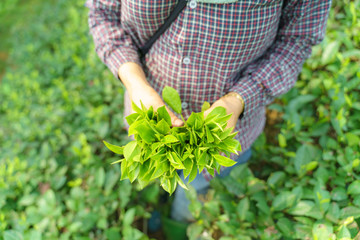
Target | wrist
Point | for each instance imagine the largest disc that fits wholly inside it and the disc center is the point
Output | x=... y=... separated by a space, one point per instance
x=235 y=100
x=133 y=77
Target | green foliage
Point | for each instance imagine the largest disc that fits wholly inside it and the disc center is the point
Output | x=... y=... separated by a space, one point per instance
x=58 y=101
x=159 y=150
x=172 y=98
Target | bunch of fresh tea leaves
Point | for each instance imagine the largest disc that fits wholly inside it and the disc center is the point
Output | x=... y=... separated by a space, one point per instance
x=159 y=149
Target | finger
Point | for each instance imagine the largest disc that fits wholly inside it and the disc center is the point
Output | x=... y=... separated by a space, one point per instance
x=175 y=121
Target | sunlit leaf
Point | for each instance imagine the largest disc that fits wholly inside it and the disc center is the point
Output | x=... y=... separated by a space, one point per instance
x=224 y=161
x=114 y=148
x=172 y=98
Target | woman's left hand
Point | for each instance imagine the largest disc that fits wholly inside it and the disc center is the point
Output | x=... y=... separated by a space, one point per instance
x=232 y=105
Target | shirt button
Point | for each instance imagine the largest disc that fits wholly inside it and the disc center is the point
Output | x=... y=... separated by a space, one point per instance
x=184 y=105
x=192 y=4
x=186 y=60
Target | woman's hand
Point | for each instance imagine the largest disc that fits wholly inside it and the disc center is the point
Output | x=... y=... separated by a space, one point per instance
x=232 y=105
x=149 y=97
x=133 y=77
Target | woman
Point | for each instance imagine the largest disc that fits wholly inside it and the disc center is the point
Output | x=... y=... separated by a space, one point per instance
x=239 y=54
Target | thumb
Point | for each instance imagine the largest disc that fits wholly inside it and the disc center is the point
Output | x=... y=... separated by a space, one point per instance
x=175 y=121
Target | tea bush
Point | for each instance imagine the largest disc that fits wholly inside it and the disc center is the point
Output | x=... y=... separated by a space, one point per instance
x=58 y=102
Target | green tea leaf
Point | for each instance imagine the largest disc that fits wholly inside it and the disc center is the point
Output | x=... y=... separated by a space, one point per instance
x=304 y=155
x=132 y=118
x=180 y=182
x=354 y=188
x=301 y=208
x=339 y=194
x=100 y=177
x=114 y=148
x=164 y=114
x=124 y=170
x=146 y=171
x=276 y=179
x=330 y=51
x=223 y=119
x=224 y=161
x=12 y=235
x=242 y=208
x=323 y=230
x=352 y=139
x=143 y=182
x=285 y=226
x=131 y=149
x=261 y=203
x=172 y=98
x=333 y=213
x=350 y=211
x=118 y=161
x=132 y=175
x=146 y=132
x=191 y=120
x=161 y=168
x=225 y=134
x=193 y=173
x=211 y=171
x=132 y=128
x=129 y=216
x=188 y=163
x=322 y=197
x=170 y=139
x=255 y=185
x=162 y=126
x=175 y=160
x=150 y=113
x=136 y=108
x=209 y=136
x=232 y=145
x=216 y=138
x=166 y=184
x=205 y=106
x=113 y=233
x=282 y=140
x=283 y=200
x=343 y=233
x=202 y=160
x=194 y=230
x=216 y=112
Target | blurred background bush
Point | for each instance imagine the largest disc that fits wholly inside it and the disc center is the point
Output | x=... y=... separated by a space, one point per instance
x=58 y=101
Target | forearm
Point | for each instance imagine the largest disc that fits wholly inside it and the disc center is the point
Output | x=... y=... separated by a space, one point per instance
x=276 y=71
x=133 y=77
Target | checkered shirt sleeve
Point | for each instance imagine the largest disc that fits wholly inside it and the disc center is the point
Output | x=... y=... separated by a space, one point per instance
x=113 y=44
x=302 y=25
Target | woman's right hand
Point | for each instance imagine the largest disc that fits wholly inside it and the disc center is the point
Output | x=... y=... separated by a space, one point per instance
x=133 y=77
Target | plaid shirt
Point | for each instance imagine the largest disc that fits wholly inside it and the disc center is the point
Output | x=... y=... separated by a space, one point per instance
x=253 y=47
